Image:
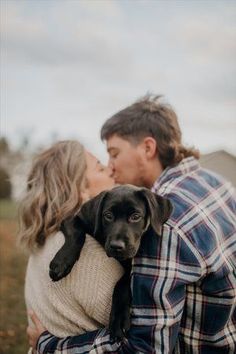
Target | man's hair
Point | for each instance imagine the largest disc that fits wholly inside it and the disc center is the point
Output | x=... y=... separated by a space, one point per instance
x=149 y=116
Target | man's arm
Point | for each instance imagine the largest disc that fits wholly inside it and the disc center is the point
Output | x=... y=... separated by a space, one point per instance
x=160 y=272
x=139 y=341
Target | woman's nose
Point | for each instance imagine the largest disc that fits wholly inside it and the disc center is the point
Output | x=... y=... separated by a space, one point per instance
x=110 y=164
x=109 y=170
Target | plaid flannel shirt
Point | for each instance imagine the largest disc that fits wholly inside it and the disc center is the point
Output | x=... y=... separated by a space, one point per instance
x=184 y=282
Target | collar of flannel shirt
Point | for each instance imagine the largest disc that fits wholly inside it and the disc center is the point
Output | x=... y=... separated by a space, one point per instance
x=187 y=165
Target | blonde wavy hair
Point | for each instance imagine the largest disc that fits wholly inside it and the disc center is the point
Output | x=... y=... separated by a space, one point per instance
x=53 y=192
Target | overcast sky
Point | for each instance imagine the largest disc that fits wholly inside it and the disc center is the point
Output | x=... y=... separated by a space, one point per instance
x=66 y=66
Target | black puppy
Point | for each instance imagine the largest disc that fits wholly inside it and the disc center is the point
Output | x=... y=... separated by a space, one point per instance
x=117 y=219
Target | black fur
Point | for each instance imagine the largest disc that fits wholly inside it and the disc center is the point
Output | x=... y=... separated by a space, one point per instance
x=117 y=219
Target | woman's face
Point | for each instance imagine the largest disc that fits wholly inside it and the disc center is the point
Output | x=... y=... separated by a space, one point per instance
x=98 y=176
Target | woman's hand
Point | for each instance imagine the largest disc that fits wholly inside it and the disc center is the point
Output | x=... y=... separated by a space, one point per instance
x=33 y=333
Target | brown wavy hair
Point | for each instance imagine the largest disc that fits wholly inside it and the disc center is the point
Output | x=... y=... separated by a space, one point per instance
x=53 y=192
x=149 y=116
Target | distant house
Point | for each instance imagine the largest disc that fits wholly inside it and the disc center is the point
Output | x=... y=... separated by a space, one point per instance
x=221 y=162
x=19 y=177
x=17 y=165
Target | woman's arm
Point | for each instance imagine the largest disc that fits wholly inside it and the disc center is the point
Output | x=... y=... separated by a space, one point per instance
x=34 y=333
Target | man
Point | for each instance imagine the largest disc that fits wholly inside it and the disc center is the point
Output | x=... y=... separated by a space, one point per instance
x=184 y=282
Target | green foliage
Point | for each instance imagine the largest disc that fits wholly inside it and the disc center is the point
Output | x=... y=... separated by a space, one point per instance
x=4 y=146
x=5 y=184
x=8 y=209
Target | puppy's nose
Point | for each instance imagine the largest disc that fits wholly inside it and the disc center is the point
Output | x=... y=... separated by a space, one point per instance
x=117 y=245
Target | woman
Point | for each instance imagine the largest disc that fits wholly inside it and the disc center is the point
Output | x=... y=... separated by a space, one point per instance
x=60 y=180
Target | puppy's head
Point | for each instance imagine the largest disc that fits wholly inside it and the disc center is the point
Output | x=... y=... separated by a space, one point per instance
x=120 y=217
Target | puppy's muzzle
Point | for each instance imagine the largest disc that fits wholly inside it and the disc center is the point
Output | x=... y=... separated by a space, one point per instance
x=116 y=249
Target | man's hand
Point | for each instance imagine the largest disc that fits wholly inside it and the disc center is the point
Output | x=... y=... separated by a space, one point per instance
x=33 y=333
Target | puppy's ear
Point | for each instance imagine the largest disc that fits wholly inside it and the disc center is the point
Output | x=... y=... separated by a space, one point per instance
x=159 y=208
x=91 y=214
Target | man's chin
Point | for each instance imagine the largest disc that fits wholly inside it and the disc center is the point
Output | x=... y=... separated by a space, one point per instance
x=118 y=180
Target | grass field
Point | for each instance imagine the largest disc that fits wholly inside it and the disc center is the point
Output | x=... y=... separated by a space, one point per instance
x=12 y=271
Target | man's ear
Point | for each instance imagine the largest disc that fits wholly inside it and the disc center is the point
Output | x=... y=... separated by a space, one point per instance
x=159 y=209
x=150 y=147
x=90 y=214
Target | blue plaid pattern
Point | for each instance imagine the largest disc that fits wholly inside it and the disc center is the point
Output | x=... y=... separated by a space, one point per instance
x=184 y=282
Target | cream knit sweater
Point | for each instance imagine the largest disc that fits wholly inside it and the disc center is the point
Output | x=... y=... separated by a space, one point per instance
x=79 y=302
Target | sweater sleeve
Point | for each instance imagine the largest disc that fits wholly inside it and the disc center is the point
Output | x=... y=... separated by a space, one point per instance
x=95 y=279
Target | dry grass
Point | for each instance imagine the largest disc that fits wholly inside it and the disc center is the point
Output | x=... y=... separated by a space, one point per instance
x=12 y=271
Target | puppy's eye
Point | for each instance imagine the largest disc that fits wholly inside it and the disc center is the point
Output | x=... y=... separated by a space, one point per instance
x=135 y=217
x=108 y=216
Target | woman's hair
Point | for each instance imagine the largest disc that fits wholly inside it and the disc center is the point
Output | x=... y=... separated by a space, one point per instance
x=53 y=192
x=149 y=116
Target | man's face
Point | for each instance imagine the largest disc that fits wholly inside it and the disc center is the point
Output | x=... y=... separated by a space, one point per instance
x=127 y=161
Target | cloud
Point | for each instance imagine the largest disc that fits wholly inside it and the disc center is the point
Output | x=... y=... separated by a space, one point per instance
x=69 y=65
x=82 y=40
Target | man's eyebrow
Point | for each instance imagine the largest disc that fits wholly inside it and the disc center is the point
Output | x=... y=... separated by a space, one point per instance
x=111 y=148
